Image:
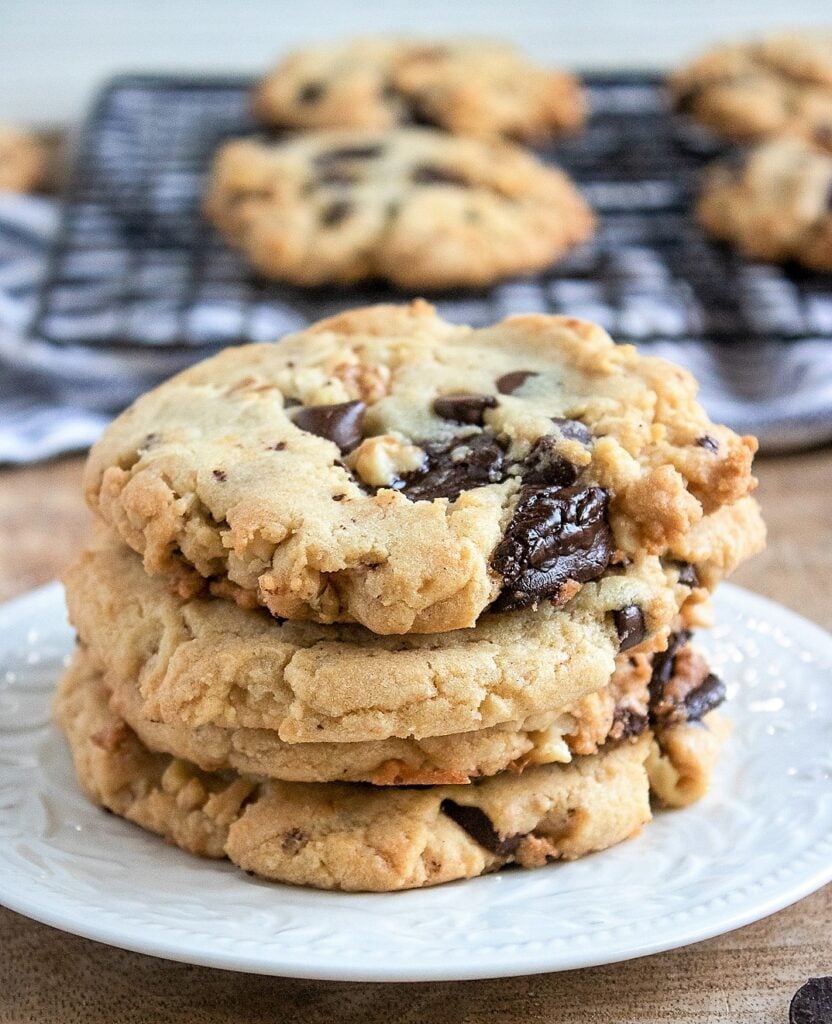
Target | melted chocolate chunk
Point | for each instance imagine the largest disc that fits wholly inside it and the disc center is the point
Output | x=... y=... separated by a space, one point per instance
x=627 y=723
x=452 y=467
x=481 y=828
x=544 y=466
x=464 y=408
x=688 y=576
x=511 y=382
x=555 y=536
x=335 y=213
x=709 y=443
x=812 y=1003
x=331 y=156
x=664 y=665
x=629 y=624
x=311 y=92
x=708 y=695
x=429 y=174
x=573 y=429
x=340 y=423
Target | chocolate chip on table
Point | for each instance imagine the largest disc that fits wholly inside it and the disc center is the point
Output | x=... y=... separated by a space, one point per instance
x=311 y=92
x=629 y=624
x=428 y=174
x=454 y=466
x=708 y=695
x=481 y=828
x=464 y=408
x=330 y=156
x=709 y=443
x=339 y=423
x=335 y=213
x=812 y=1003
x=555 y=536
x=573 y=429
x=544 y=466
x=511 y=382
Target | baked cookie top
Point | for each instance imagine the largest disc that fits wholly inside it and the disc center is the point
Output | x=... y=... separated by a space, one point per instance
x=470 y=87
x=780 y=85
x=774 y=202
x=415 y=206
x=354 y=837
x=204 y=661
x=388 y=468
x=23 y=160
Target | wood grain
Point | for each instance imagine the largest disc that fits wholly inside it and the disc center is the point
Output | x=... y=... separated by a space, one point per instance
x=748 y=975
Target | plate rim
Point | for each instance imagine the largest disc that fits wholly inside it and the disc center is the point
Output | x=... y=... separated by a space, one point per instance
x=696 y=931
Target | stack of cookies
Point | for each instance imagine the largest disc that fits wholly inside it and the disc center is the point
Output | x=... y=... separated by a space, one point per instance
x=774 y=201
x=396 y=602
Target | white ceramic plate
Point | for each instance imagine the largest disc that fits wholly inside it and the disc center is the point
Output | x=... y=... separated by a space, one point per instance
x=759 y=841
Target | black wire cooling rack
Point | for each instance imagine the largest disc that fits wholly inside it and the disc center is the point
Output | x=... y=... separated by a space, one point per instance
x=136 y=265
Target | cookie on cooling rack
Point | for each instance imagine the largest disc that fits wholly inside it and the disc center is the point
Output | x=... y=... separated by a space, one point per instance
x=471 y=87
x=774 y=203
x=415 y=206
x=778 y=86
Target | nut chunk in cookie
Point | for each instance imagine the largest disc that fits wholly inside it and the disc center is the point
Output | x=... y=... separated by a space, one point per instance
x=414 y=206
x=479 y=88
x=774 y=204
x=392 y=469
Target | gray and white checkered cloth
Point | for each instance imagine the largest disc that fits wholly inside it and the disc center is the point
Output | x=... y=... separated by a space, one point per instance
x=56 y=398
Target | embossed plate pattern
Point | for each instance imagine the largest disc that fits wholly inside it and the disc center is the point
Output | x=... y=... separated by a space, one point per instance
x=759 y=841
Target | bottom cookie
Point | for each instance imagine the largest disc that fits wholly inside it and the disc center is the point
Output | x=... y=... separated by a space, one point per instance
x=351 y=836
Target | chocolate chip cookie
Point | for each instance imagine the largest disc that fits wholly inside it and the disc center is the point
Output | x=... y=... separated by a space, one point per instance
x=778 y=86
x=205 y=664
x=471 y=87
x=774 y=203
x=355 y=837
x=391 y=469
x=23 y=161
x=413 y=206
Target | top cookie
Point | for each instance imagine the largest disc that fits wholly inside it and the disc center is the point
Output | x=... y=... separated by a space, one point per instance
x=781 y=85
x=470 y=87
x=389 y=468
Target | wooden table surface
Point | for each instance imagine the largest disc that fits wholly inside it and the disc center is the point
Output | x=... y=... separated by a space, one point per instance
x=748 y=975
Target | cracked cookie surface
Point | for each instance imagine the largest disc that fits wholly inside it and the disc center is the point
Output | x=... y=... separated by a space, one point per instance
x=354 y=837
x=388 y=468
x=774 y=203
x=203 y=663
x=413 y=206
x=473 y=87
x=778 y=86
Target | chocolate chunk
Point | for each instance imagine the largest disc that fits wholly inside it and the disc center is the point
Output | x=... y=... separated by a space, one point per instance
x=279 y=447
x=428 y=174
x=812 y=1003
x=708 y=695
x=664 y=665
x=511 y=382
x=335 y=213
x=220 y=474
x=627 y=723
x=452 y=467
x=464 y=408
x=688 y=576
x=573 y=429
x=340 y=423
x=544 y=466
x=330 y=156
x=481 y=828
x=555 y=536
x=708 y=442
x=629 y=624
x=311 y=92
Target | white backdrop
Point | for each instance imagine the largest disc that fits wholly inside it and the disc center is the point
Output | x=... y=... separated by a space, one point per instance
x=53 y=53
